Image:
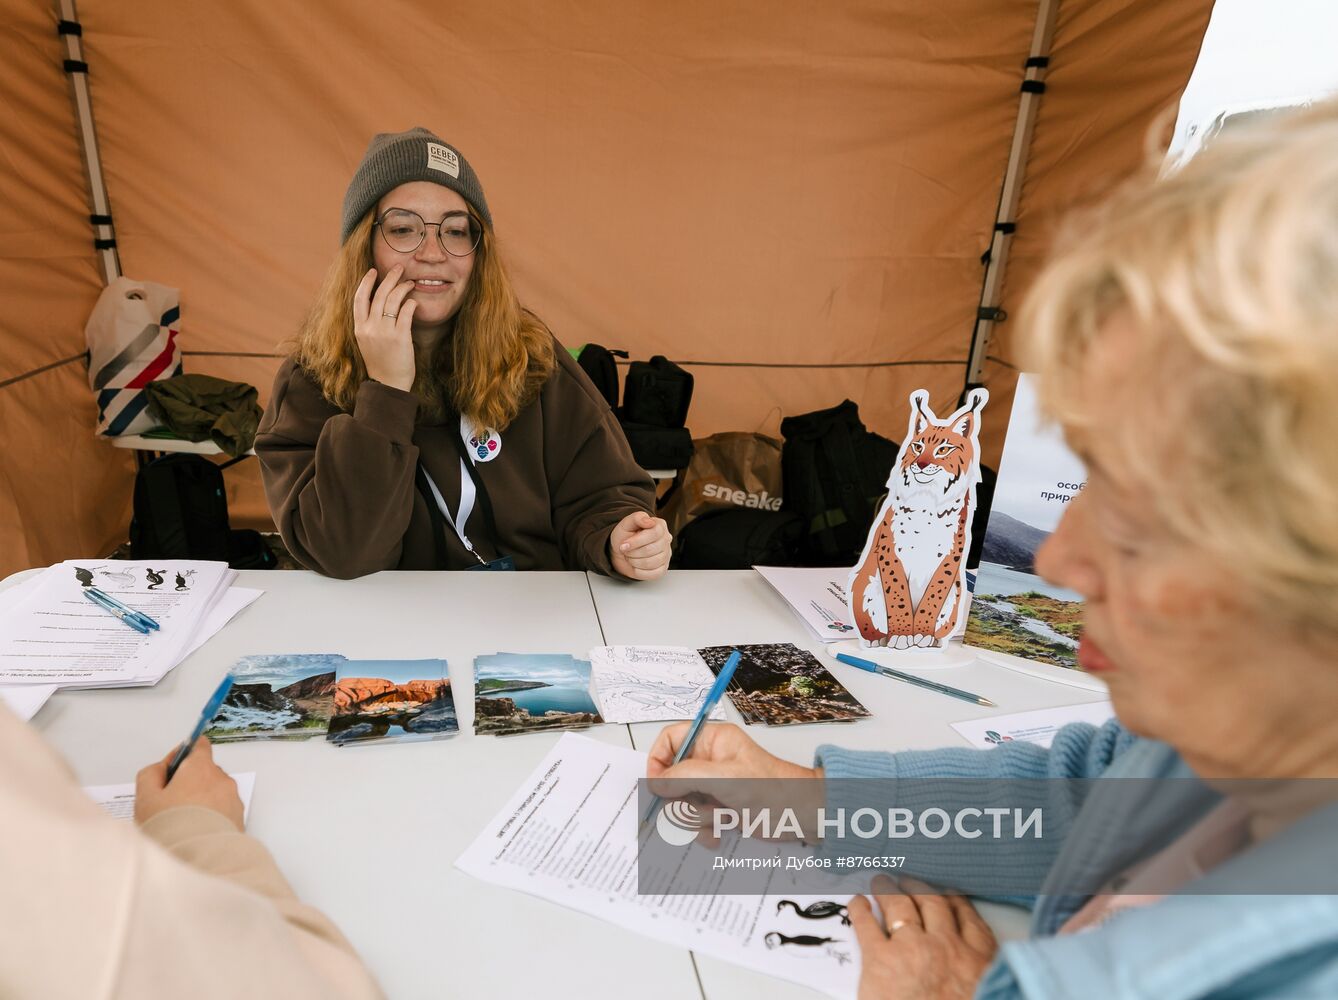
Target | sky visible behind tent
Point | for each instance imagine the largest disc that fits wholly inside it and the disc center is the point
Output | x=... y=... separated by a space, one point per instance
x=1257 y=53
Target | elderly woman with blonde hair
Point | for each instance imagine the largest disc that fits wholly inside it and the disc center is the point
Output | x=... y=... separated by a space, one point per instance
x=1186 y=339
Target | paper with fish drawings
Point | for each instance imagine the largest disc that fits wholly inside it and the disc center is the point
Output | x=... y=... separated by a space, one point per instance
x=569 y=835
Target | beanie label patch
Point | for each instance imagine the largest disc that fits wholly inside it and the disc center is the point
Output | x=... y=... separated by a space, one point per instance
x=443 y=158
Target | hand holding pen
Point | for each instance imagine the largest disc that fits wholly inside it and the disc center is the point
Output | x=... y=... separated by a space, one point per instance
x=211 y=708
x=726 y=762
x=713 y=697
x=198 y=782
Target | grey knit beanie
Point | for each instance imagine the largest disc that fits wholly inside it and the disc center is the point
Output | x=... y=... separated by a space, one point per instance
x=395 y=158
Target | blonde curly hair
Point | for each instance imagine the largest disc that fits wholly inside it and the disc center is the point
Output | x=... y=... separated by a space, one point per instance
x=1228 y=268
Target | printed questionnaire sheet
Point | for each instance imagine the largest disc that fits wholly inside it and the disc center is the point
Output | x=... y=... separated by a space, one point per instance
x=52 y=635
x=569 y=835
x=118 y=801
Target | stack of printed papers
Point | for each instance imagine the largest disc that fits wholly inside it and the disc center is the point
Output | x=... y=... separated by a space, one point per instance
x=51 y=634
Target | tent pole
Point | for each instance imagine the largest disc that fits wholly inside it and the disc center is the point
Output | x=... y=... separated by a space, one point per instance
x=1033 y=86
x=104 y=236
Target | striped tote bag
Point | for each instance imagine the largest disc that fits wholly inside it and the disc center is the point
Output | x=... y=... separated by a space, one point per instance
x=132 y=340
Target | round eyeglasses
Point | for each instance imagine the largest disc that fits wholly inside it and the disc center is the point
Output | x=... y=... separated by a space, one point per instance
x=404 y=231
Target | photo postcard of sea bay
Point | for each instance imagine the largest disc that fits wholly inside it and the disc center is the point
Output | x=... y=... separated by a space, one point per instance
x=528 y=692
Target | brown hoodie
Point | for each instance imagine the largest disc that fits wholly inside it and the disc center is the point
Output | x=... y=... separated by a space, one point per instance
x=341 y=485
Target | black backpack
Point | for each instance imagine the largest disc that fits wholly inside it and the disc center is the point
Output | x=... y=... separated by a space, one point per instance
x=181 y=512
x=598 y=363
x=835 y=474
x=658 y=393
x=654 y=411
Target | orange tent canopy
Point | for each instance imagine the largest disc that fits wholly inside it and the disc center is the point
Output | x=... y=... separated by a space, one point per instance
x=790 y=199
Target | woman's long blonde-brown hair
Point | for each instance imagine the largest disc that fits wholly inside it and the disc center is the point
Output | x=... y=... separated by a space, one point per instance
x=492 y=364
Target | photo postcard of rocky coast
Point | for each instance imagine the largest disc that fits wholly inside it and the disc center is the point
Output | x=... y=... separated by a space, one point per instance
x=532 y=692
x=395 y=701
x=779 y=684
x=1015 y=612
x=277 y=696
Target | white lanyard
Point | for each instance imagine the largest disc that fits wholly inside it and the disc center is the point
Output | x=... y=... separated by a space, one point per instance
x=468 y=491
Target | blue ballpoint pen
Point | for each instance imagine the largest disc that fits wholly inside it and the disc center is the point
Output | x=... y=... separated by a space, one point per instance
x=127 y=617
x=143 y=618
x=717 y=689
x=211 y=708
x=878 y=668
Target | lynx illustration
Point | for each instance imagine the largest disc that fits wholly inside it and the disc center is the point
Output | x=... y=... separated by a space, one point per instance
x=907 y=588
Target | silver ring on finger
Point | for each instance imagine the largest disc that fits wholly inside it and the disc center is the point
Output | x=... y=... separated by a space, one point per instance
x=895 y=926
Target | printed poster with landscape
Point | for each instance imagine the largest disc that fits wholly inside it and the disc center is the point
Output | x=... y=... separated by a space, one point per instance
x=1014 y=612
x=529 y=692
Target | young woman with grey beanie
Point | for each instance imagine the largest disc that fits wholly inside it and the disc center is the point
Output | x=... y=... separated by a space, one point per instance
x=425 y=420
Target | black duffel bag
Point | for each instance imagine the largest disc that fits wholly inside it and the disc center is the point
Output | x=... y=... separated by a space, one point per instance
x=738 y=539
x=659 y=447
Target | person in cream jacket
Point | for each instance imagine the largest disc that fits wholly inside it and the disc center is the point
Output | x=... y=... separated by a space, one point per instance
x=182 y=903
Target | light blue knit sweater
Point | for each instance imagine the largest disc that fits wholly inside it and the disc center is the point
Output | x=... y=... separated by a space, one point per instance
x=1215 y=944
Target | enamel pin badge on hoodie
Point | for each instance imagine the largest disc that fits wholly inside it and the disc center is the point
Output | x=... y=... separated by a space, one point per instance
x=484 y=445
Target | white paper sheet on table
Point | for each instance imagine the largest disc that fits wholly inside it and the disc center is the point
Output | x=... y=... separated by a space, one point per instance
x=231 y=604
x=53 y=635
x=818 y=597
x=118 y=801
x=1037 y=727
x=650 y=683
x=569 y=834
x=24 y=700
